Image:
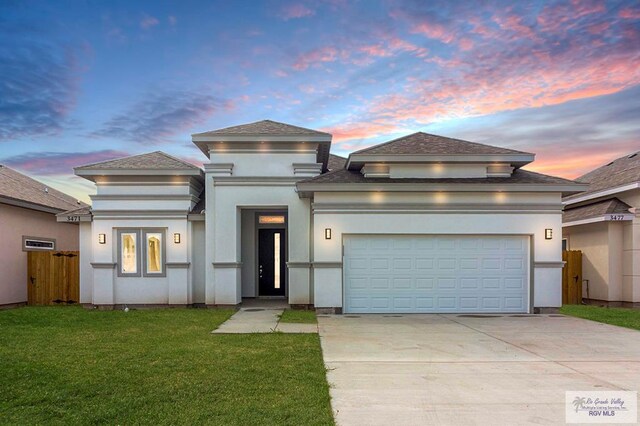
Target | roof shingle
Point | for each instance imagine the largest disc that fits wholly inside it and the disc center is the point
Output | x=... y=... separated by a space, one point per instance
x=336 y=162
x=427 y=144
x=519 y=176
x=598 y=209
x=19 y=187
x=264 y=127
x=621 y=171
x=152 y=160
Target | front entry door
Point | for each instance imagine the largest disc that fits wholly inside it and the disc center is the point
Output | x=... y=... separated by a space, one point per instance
x=271 y=262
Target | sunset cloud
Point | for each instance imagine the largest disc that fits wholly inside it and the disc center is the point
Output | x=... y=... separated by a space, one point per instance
x=162 y=115
x=296 y=11
x=59 y=163
x=38 y=86
x=148 y=22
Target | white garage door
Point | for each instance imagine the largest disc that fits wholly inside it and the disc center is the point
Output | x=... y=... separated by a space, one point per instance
x=429 y=273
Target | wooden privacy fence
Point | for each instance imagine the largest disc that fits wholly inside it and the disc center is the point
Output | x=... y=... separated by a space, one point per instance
x=53 y=277
x=572 y=277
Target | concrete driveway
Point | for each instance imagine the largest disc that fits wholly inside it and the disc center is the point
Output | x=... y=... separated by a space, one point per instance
x=457 y=370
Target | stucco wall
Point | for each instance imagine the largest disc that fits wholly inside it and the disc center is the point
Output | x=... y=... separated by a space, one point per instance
x=110 y=289
x=14 y=223
x=197 y=257
x=224 y=244
x=631 y=251
x=328 y=279
x=593 y=241
x=611 y=255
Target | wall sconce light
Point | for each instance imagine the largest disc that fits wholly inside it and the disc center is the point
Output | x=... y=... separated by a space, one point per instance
x=548 y=234
x=176 y=238
x=327 y=233
x=102 y=238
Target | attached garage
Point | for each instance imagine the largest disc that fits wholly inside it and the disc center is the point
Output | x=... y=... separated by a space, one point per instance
x=436 y=274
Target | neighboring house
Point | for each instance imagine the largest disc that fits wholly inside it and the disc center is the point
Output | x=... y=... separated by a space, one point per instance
x=27 y=223
x=423 y=223
x=603 y=223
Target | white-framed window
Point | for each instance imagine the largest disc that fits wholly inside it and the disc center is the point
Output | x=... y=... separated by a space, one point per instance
x=141 y=252
x=154 y=257
x=38 y=244
x=128 y=253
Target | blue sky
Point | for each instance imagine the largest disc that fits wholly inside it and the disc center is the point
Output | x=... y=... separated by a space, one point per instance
x=86 y=81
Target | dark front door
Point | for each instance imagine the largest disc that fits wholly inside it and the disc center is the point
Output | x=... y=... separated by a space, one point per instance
x=271 y=262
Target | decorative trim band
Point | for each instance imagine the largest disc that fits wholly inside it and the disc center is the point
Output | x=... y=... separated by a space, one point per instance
x=319 y=265
x=103 y=265
x=545 y=264
x=178 y=265
x=435 y=211
x=298 y=264
x=227 y=264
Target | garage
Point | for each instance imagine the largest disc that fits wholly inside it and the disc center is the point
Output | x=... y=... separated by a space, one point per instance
x=436 y=273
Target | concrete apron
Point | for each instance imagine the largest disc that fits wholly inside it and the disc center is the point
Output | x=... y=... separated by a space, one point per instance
x=261 y=320
x=452 y=370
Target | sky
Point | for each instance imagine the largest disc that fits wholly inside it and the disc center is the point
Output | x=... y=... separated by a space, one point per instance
x=87 y=81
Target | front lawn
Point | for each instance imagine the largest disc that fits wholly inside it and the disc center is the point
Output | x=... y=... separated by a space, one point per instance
x=66 y=365
x=298 y=316
x=622 y=317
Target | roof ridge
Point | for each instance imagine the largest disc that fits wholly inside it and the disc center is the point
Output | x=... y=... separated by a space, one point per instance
x=177 y=159
x=364 y=150
x=614 y=172
x=40 y=187
x=544 y=174
x=162 y=153
x=226 y=130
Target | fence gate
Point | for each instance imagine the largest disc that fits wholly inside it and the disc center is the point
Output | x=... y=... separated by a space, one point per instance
x=572 y=277
x=53 y=277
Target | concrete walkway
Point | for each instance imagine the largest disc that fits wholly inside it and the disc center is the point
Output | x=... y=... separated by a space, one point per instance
x=457 y=370
x=261 y=320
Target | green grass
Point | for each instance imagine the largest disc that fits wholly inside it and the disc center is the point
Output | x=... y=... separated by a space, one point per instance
x=298 y=316
x=66 y=365
x=629 y=318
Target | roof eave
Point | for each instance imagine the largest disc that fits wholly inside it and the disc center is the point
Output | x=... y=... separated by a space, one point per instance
x=306 y=188
x=519 y=160
x=29 y=205
x=601 y=193
x=600 y=218
x=201 y=137
x=91 y=173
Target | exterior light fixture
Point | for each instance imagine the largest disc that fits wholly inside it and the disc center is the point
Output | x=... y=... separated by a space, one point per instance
x=176 y=238
x=548 y=234
x=102 y=238
x=327 y=233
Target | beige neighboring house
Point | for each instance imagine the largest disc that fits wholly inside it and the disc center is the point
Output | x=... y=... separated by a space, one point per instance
x=28 y=211
x=604 y=224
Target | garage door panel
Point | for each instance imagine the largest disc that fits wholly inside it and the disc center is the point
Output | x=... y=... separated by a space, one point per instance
x=436 y=274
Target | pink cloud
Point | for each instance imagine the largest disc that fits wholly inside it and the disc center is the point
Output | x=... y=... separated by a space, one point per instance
x=629 y=13
x=561 y=17
x=434 y=30
x=148 y=22
x=59 y=163
x=316 y=56
x=375 y=50
x=466 y=44
x=296 y=11
x=515 y=24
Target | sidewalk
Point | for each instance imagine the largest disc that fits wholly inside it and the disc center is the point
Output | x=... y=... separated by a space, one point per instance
x=261 y=320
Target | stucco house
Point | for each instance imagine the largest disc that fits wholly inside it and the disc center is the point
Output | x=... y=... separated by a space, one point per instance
x=28 y=211
x=422 y=223
x=603 y=223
